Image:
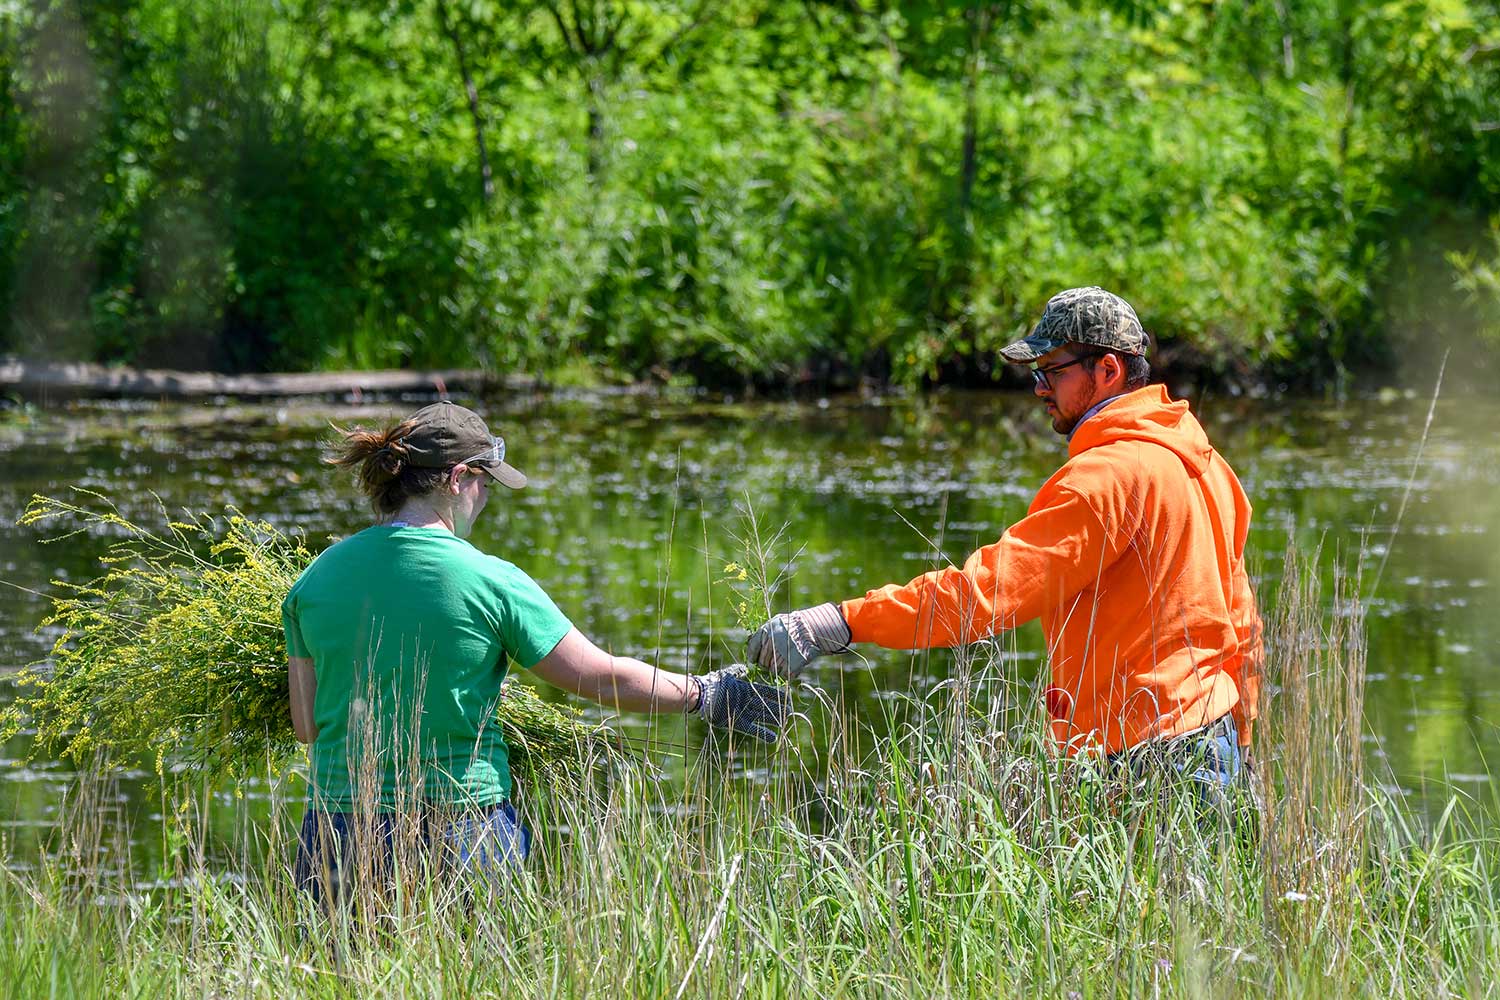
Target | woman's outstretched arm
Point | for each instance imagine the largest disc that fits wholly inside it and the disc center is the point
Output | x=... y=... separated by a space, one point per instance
x=618 y=682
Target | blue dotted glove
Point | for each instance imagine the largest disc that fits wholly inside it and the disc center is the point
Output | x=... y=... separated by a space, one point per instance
x=727 y=701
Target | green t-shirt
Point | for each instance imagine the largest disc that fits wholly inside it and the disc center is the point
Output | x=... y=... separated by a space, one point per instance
x=411 y=631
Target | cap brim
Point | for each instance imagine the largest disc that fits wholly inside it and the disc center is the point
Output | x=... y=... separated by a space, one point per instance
x=505 y=475
x=1028 y=349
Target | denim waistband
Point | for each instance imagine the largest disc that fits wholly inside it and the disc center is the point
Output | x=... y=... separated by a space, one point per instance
x=1222 y=728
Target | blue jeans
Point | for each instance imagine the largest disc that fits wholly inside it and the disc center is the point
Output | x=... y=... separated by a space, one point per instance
x=335 y=849
x=1214 y=755
x=1209 y=759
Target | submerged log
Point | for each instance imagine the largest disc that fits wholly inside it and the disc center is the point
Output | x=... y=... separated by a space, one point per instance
x=54 y=379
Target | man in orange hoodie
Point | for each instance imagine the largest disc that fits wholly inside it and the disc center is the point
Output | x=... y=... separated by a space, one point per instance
x=1132 y=556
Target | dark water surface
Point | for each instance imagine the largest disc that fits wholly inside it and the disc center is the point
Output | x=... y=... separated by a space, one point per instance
x=634 y=505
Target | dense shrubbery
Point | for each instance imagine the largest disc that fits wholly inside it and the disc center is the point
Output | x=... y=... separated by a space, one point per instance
x=742 y=189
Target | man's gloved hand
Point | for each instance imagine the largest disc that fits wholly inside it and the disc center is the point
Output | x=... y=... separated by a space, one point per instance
x=728 y=701
x=788 y=642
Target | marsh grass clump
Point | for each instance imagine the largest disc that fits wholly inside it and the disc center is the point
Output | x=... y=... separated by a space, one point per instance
x=953 y=859
x=176 y=652
x=918 y=885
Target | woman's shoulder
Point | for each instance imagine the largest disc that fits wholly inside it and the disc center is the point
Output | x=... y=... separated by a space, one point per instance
x=348 y=545
x=462 y=553
x=509 y=586
x=498 y=568
x=327 y=561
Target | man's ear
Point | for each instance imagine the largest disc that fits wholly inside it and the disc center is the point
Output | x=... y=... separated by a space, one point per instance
x=1112 y=366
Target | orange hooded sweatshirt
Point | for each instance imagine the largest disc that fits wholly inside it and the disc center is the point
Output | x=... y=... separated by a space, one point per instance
x=1132 y=555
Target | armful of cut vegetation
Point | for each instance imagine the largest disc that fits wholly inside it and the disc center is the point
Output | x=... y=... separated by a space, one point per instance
x=177 y=651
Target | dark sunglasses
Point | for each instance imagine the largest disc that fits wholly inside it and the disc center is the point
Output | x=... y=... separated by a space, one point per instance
x=1040 y=374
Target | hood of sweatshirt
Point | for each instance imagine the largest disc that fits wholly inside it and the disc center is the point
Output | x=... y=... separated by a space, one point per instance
x=1147 y=415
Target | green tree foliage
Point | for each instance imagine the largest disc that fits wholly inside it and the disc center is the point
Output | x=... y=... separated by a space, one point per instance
x=742 y=190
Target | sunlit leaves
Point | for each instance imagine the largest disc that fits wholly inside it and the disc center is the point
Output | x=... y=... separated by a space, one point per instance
x=735 y=190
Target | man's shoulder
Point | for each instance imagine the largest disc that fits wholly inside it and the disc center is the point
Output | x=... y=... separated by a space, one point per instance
x=1112 y=461
x=1113 y=473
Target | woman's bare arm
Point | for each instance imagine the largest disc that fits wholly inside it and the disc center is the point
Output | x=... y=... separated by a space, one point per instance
x=303 y=683
x=618 y=682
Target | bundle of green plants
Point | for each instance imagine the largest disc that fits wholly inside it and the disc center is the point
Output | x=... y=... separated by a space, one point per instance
x=176 y=653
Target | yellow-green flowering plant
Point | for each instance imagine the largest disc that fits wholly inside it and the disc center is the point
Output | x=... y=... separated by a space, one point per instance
x=176 y=653
x=755 y=574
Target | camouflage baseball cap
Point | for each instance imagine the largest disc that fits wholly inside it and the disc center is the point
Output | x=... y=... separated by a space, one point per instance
x=1081 y=316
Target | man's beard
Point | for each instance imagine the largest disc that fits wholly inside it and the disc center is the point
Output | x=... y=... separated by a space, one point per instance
x=1062 y=423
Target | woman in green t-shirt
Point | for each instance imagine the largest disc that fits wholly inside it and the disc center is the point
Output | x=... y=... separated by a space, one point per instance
x=398 y=639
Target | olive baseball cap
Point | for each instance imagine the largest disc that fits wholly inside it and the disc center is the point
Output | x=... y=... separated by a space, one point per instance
x=445 y=434
x=1081 y=316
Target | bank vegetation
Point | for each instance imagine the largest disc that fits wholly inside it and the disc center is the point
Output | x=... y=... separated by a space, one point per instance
x=739 y=192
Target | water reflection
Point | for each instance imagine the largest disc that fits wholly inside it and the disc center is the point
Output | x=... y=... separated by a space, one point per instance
x=631 y=516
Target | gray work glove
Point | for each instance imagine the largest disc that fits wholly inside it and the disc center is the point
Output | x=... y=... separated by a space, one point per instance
x=788 y=642
x=728 y=701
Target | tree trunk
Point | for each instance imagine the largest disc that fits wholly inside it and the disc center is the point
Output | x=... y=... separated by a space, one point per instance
x=979 y=29
x=1346 y=72
x=596 y=126
x=445 y=23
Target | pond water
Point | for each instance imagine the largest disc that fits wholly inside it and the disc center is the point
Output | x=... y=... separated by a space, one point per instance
x=635 y=502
